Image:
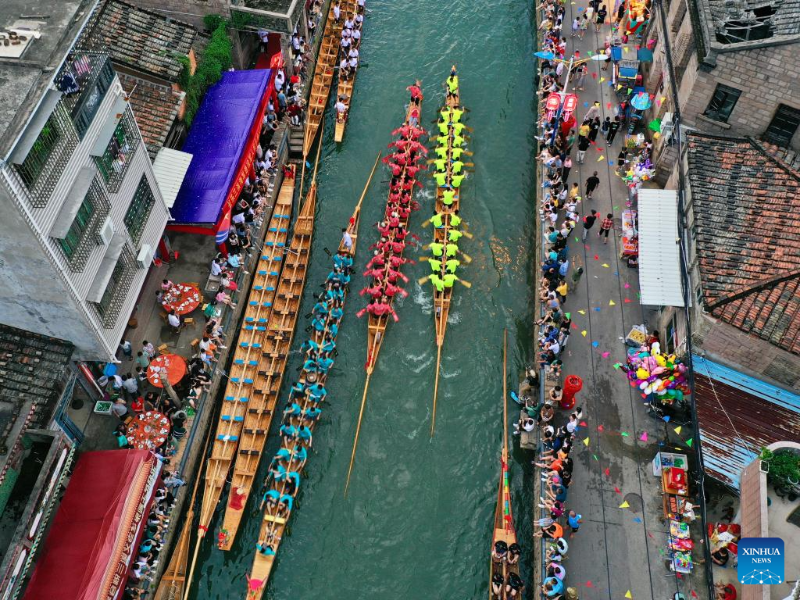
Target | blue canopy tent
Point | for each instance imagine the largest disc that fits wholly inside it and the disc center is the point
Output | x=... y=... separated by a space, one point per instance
x=222 y=141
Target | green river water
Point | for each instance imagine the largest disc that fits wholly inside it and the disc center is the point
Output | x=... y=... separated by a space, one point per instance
x=417 y=521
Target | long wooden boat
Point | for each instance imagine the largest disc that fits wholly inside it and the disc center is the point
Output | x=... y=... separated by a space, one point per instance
x=441 y=300
x=323 y=77
x=344 y=91
x=246 y=360
x=272 y=365
x=173 y=581
x=376 y=326
x=503 y=516
x=275 y=517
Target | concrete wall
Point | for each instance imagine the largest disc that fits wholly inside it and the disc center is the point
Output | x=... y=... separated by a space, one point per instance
x=33 y=295
x=766 y=77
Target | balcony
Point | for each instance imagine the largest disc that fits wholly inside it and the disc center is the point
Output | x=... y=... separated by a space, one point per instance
x=84 y=80
x=117 y=157
x=48 y=156
x=82 y=236
x=110 y=305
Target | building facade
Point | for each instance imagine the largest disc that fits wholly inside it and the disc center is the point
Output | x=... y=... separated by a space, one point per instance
x=736 y=72
x=82 y=212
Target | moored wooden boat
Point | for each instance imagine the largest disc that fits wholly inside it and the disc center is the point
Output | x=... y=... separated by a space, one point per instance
x=323 y=78
x=503 y=517
x=442 y=299
x=376 y=326
x=244 y=371
x=344 y=90
x=272 y=365
x=173 y=581
x=275 y=519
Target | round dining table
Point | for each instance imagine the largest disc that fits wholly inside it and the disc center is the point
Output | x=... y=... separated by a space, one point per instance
x=148 y=431
x=181 y=298
x=172 y=365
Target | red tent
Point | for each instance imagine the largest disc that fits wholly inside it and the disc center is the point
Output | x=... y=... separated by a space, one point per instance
x=97 y=528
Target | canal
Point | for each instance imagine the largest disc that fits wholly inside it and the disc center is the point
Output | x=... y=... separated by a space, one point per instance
x=418 y=517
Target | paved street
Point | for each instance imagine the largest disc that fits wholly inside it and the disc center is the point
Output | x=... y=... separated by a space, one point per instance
x=617 y=549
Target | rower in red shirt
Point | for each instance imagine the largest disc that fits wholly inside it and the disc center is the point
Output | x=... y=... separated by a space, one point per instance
x=377 y=260
x=392 y=276
x=375 y=292
x=395 y=262
x=392 y=289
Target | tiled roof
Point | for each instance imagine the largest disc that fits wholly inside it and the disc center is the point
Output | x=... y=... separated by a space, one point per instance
x=143 y=40
x=31 y=369
x=155 y=107
x=746 y=203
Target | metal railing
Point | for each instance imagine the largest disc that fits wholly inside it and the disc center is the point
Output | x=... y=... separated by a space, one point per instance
x=119 y=285
x=42 y=168
x=84 y=80
x=119 y=153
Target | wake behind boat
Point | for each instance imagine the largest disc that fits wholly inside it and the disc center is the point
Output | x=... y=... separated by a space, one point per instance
x=384 y=267
x=448 y=173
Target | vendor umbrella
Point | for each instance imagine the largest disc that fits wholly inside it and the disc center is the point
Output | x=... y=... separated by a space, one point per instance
x=641 y=101
x=544 y=55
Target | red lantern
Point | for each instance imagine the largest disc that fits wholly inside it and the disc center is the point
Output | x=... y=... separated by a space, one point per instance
x=553 y=102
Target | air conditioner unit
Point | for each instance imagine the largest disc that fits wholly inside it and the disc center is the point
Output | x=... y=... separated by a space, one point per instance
x=106 y=231
x=145 y=257
x=667 y=126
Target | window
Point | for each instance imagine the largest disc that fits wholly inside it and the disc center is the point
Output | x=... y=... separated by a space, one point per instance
x=139 y=210
x=78 y=229
x=783 y=126
x=82 y=239
x=119 y=152
x=672 y=334
x=722 y=104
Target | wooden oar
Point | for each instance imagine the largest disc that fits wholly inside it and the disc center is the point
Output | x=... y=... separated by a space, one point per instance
x=168 y=587
x=358 y=431
x=436 y=380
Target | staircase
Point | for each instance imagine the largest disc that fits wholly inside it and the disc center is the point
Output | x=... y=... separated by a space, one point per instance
x=295 y=142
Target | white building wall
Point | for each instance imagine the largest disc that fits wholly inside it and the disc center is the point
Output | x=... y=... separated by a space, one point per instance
x=65 y=313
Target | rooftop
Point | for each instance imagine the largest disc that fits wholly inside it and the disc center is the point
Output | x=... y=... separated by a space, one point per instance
x=738 y=415
x=731 y=25
x=155 y=107
x=32 y=369
x=141 y=39
x=24 y=80
x=748 y=245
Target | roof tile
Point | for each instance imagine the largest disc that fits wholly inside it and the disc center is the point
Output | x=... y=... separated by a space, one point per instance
x=748 y=244
x=141 y=39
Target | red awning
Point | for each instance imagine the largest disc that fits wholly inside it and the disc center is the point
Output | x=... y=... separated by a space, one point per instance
x=97 y=528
